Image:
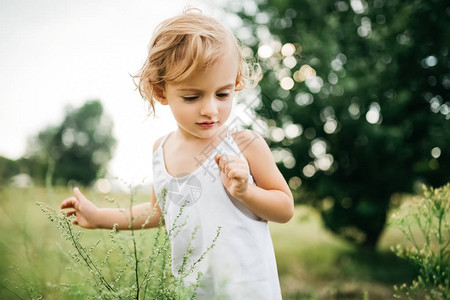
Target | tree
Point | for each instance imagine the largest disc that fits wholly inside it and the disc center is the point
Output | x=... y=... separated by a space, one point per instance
x=8 y=169
x=78 y=149
x=355 y=95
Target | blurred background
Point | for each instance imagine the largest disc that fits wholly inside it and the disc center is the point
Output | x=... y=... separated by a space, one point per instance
x=354 y=104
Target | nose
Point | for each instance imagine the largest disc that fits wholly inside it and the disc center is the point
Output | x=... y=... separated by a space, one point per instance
x=209 y=107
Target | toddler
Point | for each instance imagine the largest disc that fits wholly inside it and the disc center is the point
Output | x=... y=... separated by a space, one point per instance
x=215 y=179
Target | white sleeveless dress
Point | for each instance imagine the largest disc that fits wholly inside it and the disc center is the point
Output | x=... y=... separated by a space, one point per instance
x=241 y=265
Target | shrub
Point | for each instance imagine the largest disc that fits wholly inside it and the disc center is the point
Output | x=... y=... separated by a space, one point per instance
x=129 y=268
x=425 y=223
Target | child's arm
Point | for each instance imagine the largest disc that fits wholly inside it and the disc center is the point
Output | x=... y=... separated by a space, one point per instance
x=90 y=216
x=271 y=198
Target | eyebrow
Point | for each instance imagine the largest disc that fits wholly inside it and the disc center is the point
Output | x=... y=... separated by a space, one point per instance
x=199 y=90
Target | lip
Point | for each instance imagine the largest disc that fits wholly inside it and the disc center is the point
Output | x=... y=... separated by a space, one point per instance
x=206 y=124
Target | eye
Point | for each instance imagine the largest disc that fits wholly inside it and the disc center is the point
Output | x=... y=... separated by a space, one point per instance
x=190 y=99
x=223 y=95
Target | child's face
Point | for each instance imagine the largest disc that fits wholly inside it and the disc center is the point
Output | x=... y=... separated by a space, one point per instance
x=205 y=96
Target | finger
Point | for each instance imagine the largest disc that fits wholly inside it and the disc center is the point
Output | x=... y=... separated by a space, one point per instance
x=237 y=174
x=217 y=159
x=225 y=162
x=75 y=222
x=235 y=164
x=221 y=162
x=229 y=167
x=78 y=194
x=70 y=213
x=71 y=202
x=224 y=158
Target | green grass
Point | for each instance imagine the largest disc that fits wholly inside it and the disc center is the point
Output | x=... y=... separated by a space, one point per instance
x=315 y=264
x=312 y=262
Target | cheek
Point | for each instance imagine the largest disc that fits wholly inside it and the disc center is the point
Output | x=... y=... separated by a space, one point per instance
x=182 y=112
x=225 y=108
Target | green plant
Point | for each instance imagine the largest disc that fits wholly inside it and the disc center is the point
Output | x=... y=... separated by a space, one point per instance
x=425 y=223
x=129 y=268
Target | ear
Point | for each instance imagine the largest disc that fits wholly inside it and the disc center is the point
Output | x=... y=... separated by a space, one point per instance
x=159 y=94
x=238 y=85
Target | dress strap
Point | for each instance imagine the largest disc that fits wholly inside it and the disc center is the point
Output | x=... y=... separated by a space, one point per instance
x=163 y=140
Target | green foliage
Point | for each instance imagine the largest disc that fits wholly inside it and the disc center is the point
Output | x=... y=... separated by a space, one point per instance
x=8 y=168
x=78 y=149
x=356 y=102
x=129 y=269
x=431 y=251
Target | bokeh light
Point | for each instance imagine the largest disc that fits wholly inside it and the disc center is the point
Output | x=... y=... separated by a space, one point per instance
x=373 y=115
x=103 y=185
x=330 y=126
x=304 y=99
x=310 y=133
x=318 y=147
x=324 y=163
x=247 y=52
x=309 y=170
x=295 y=182
x=365 y=29
x=305 y=72
x=287 y=83
x=289 y=62
x=354 y=111
x=314 y=84
x=293 y=130
x=357 y=6
x=277 y=134
x=333 y=78
x=288 y=49
x=277 y=105
x=436 y=152
x=429 y=61
x=265 y=51
x=289 y=161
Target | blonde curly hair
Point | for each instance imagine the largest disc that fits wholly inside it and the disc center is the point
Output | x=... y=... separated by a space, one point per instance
x=184 y=44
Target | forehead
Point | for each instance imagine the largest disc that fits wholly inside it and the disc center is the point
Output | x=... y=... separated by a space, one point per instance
x=220 y=73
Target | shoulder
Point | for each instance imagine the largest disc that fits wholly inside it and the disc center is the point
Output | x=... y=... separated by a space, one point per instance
x=157 y=143
x=260 y=160
x=249 y=142
x=254 y=148
x=160 y=140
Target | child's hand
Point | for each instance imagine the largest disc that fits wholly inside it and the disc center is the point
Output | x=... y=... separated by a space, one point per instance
x=234 y=174
x=84 y=210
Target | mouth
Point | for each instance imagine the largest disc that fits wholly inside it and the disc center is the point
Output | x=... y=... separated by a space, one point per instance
x=207 y=124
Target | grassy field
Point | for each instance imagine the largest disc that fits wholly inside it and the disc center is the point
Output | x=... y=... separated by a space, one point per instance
x=315 y=264
x=312 y=262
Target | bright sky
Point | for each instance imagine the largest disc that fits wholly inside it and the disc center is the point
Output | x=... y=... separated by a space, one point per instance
x=59 y=53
